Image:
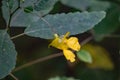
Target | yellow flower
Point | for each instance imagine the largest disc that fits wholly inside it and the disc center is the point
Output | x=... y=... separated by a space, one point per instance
x=69 y=55
x=73 y=43
x=64 y=43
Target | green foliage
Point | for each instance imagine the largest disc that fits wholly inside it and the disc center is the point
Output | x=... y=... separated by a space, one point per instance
x=85 y=56
x=119 y=18
x=87 y=4
x=108 y=25
x=74 y=23
x=62 y=78
x=5 y=12
x=26 y=3
x=28 y=9
x=44 y=5
x=21 y=18
x=8 y=6
x=100 y=57
x=7 y=54
x=84 y=73
x=10 y=3
x=33 y=16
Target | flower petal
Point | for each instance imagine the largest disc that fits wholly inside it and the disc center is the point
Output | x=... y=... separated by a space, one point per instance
x=73 y=43
x=59 y=43
x=69 y=55
x=66 y=35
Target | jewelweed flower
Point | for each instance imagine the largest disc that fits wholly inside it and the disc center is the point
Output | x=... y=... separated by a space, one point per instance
x=64 y=43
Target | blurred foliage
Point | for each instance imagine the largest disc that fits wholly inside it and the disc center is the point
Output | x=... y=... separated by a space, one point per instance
x=84 y=73
x=100 y=56
x=87 y=4
x=109 y=25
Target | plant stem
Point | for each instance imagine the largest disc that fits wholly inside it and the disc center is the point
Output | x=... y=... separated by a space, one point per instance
x=37 y=61
x=47 y=57
x=86 y=40
x=112 y=36
x=16 y=36
x=14 y=77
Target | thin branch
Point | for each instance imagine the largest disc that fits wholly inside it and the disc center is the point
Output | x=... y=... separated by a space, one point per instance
x=86 y=40
x=16 y=36
x=14 y=77
x=46 y=58
x=37 y=61
x=112 y=36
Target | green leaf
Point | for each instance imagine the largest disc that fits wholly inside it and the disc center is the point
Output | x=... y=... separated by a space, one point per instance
x=28 y=9
x=87 y=4
x=109 y=24
x=97 y=5
x=26 y=3
x=74 y=23
x=44 y=4
x=8 y=5
x=84 y=56
x=7 y=54
x=21 y=18
x=62 y=78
